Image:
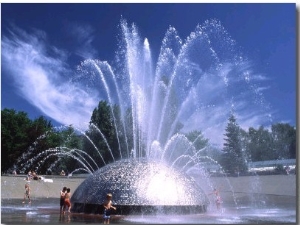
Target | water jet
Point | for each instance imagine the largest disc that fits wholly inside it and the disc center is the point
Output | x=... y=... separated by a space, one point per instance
x=195 y=85
x=140 y=187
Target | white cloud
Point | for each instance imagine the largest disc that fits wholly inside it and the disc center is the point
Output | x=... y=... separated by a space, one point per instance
x=41 y=75
x=215 y=99
x=41 y=79
x=259 y=77
x=83 y=36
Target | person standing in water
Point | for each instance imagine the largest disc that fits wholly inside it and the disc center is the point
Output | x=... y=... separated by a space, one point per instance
x=62 y=198
x=27 y=193
x=67 y=204
x=218 y=200
x=107 y=208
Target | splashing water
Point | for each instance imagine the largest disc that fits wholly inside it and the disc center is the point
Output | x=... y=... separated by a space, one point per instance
x=196 y=83
x=194 y=86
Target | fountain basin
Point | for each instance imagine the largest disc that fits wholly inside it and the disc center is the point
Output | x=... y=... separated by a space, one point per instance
x=140 y=186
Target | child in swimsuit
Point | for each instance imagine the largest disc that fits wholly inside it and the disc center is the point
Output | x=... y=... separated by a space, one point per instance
x=107 y=208
x=27 y=193
x=62 y=198
x=218 y=200
x=67 y=203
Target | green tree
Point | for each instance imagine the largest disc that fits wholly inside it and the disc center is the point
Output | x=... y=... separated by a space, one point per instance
x=42 y=137
x=14 y=136
x=103 y=144
x=39 y=142
x=22 y=140
x=233 y=158
x=284 y=137
x=205 y=152
x=198 y=140
x=24 y=143
x=68 y=141
x=293 y=144
x=125 y=137
x=260 y=145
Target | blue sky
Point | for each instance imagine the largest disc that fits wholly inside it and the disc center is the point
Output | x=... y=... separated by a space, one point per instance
x=43 y=43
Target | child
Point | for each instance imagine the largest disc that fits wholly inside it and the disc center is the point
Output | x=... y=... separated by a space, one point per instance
x=62 y=198
x=107 y=208
x=27 y=193
x=67 y=203
x=217 y=198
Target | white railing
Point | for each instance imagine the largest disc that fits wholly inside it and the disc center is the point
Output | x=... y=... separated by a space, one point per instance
x=272 y=163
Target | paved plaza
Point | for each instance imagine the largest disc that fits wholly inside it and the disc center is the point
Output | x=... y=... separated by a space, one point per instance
x=273 y=202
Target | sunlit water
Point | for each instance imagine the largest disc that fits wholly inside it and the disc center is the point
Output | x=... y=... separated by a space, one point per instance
x=201 y=79
x=47 y=211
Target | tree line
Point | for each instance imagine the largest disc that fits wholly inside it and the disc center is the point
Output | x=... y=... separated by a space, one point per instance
x=24 y=142
x=241 y=147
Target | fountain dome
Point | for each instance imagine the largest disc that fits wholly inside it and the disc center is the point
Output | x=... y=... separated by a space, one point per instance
x=139 y=186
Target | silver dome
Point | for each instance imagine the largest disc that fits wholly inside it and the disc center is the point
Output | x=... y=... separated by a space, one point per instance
x=139 y=186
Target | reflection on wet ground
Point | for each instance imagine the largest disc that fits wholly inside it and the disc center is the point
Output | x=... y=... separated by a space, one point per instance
x=47 y=211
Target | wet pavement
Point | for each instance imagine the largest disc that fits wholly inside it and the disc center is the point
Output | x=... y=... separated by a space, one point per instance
x=46 y=210
x=275 y=202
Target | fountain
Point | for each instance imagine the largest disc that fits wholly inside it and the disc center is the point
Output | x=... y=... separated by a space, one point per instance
x=195 y=85
x=140 y=187
x=153 y=178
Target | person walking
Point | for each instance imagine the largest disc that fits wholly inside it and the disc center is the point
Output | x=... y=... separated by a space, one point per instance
x=107 y=208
